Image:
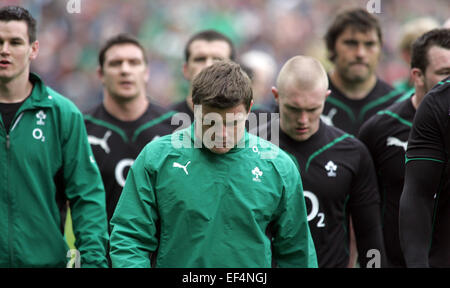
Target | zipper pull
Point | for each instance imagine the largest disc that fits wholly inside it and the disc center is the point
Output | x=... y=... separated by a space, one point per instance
x=7 y=142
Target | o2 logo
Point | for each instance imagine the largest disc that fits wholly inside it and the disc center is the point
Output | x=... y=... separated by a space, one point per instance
x=120 y=169
x=314 y=209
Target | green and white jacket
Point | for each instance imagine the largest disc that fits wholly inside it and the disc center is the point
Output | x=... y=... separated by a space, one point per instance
x=44 y=157
x=190 y=207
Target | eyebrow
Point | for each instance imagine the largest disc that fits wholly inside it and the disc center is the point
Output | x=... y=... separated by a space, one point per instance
x=120 y=59
x=13 y=39
x=443 y=70
x=301 y=109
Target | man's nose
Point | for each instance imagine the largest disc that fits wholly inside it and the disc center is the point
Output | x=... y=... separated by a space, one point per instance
x=361 y=51
x=125 y=67
x=4 y=48
x=209 y=61
x=302 y=118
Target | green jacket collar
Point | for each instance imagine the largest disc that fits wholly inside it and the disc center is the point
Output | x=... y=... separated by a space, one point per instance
x=39 y=96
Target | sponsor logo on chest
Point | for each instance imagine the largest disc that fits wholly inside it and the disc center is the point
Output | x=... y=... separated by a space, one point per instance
x=37 y=133
x=331 y=168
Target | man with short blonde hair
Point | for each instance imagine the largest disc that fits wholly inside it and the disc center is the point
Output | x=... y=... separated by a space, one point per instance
x=337 y=172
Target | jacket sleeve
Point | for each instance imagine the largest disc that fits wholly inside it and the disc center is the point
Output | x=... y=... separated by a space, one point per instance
x=85 y=192
x=364 y=205
x=134 y=223
x=422 y=180
x=292 y=241
x=424 y=176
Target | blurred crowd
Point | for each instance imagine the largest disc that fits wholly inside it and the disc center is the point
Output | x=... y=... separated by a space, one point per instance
x=69 y=42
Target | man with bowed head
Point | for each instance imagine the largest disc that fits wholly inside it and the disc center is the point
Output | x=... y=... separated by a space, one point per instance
x=213 y=204
x=337 y=172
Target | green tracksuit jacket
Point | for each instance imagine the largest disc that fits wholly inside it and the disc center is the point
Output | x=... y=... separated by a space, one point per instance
x=45 y=156
x=200 y=209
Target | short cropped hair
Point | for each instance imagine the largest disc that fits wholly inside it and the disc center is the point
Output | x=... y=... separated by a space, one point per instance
x=123 y=38
x=420 y=48
x=358 y=19
x=222 y=85
x=209 y=35
x=16 y=13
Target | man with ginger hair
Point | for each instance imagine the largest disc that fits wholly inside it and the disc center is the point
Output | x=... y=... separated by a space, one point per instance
x=336 y=169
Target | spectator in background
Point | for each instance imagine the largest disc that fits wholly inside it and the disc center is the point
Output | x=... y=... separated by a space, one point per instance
x=410 y=32
x=261 y=68
x=264 y=69
x=446 y=23
x=69 y=66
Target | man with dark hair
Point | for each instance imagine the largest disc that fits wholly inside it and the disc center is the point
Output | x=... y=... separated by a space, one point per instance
x=386 y=133
x=16 y=13
x=202 y=50
x=354 y=43
x=125 y=121
x=424 y=203
x=337 y=171
x=45 y=159
x=210 y=195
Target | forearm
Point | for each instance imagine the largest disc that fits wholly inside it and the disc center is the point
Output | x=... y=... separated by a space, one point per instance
x=416 y=210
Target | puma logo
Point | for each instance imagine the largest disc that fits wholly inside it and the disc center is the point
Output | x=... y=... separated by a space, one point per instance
x=328 y=119
x=392 y=141
x=178 y=165
x=103 y=142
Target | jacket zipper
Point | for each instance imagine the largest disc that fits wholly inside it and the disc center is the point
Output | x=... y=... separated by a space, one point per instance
x=10 y=224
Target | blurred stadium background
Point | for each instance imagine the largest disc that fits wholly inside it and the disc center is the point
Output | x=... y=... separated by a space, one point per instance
x=69 y=43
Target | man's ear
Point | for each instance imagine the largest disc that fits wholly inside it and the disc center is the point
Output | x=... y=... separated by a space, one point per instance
x=185 y=71
x=147 y=73
x=327 y=94
x=417 y=77
x=100 y=73
x=34 y=50
x=276 y=95
x=250 y=108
